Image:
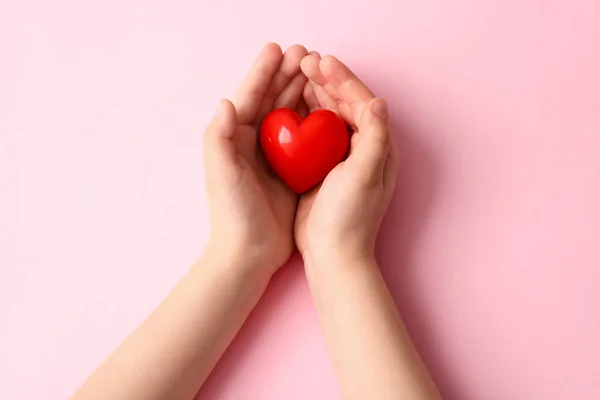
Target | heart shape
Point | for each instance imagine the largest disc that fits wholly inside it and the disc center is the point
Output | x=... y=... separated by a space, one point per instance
x=303 y=152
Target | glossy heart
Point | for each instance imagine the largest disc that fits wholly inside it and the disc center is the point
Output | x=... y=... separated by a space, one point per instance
x=303 y=152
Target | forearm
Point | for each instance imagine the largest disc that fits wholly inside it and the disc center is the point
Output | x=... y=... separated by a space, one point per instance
x=173 y=351
x=371 y=351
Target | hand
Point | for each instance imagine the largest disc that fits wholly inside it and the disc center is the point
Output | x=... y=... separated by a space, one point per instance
x=251 y=210
x=341 y=218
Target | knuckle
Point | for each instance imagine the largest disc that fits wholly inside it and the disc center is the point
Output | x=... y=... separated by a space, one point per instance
x=365 y=181
x=381 y=137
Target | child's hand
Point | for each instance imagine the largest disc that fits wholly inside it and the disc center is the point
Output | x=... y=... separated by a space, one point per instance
x=341 y=218
x=251 y=210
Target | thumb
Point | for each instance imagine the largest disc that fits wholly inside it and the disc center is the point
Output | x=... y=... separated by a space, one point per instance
x=374 y=142
x=219 y=135
x=224 y=123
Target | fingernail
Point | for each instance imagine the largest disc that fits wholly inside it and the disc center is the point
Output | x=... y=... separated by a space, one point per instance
x=380 y=108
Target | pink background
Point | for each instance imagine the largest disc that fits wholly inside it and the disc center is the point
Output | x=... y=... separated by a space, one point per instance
x=491 y=247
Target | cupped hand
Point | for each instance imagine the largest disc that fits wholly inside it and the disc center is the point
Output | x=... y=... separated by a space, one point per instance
x=251 y=210
x=341 y=217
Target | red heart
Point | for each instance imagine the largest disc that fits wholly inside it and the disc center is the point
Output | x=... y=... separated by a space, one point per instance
x=303 y=152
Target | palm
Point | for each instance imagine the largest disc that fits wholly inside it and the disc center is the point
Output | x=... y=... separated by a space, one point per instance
x=275 y=81
x=317 y=202
x=269 y=202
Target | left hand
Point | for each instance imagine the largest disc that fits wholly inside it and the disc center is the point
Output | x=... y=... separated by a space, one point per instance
x=339 y=219
x=252 y=210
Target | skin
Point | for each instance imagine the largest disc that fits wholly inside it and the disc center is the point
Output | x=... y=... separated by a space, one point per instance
x=255 y=223
x=371 y=351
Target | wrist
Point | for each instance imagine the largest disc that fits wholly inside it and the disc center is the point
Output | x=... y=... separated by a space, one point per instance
x=236 y=262
x=326 y=272
x=337 y=258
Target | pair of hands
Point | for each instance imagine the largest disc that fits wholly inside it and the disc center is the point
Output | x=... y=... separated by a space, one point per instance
x=255 y=217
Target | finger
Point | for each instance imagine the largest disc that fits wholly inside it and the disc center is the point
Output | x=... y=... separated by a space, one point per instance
x=219 y=137
x=354 y=142
x=325 y=100
x=253 y=89
x=288 y=69
x=315 y=95
x=371 y=152
x=302 y=109
x=392 y=165
x=292 y=94
x=310 y=97
x=327 y=93
x=310 y=68
x=345 y=86
x=309 y=93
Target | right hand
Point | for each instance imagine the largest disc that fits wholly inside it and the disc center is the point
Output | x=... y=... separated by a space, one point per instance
x=341 y=217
